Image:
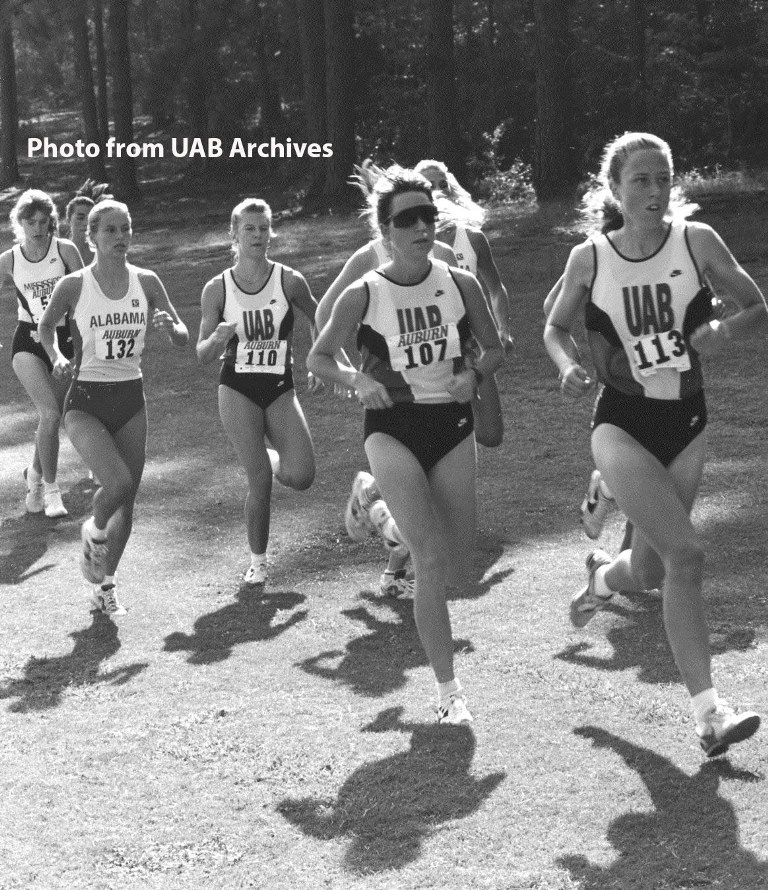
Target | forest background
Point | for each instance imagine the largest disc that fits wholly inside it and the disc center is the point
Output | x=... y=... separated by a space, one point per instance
x=510 y=93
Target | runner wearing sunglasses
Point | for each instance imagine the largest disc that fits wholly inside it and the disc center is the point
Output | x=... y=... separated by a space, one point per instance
x=414 y=317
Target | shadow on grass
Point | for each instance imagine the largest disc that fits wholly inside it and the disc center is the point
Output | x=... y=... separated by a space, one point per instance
x=24 y=539
x=389 y=807
x=638 y=640
x=247 y=620
x=376 y=664
x=45 y=679
x=690 y=839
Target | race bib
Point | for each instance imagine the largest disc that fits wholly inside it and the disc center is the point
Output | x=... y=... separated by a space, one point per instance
x=667 y=350
x=420 y=348
x=261 y=357
x=111 y=348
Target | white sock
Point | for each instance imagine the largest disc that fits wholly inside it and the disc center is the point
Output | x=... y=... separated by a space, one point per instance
x=605 y=490
x=108 y=579
x=33 y=476
x=51 y=487
x=601 y=587
x=702 y=704
x=258 y=559
x=446 y=690
x=98 y=534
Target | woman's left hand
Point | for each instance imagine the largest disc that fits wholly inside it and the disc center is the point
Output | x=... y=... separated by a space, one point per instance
x=463 y=386
x=710 y=338
x=163 y=321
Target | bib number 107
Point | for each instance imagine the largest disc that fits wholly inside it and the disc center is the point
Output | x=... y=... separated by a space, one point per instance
x=425 y=353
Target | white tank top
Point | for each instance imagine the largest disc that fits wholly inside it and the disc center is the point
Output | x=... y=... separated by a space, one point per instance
x=640 y=315
x=110 y=332
x=411 y=337
x=465 y=253
x=35 y=281
x=261 y=343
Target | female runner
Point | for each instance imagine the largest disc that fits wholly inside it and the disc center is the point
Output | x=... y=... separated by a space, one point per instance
x=248 y=311
x=648 y=316
x=110 y=303
x=413 y=317
x=34 y=265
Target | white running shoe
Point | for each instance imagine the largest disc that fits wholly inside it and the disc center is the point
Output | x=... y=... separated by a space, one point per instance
x=455 y=712
x=54 y=507
x=104 y=599
x=586 y=603
x=596 y=506
x=256 y=575
x=386 y=526
x=35 y=500
x=399 y=583
x=724 y=727
x=93 y=556
x=364 y=492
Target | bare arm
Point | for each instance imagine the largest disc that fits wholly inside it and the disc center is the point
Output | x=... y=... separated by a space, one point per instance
x=488 y=273
x=70 y=254
x=346 y=316
x=557 y=332
x=165 y=317
x=64 y=298
x=483 y=328
x=214 y=333
x=718 y=265
x=361 y=262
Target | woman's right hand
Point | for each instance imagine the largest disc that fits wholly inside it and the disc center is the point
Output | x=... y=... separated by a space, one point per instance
x=370 y=393
x=574 y=381
x=224 y=332
x=62 y=367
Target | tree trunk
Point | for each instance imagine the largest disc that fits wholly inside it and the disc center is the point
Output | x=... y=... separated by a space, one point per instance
x=554 y=171
x=84 y=74
x=126 y=185
x=102 y=106
x=312 y=42
x=340 y=100
x=639 y=109
x=9 y=109
x=442 y=119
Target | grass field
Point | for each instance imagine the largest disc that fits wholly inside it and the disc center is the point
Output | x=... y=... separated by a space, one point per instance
x=217 y=738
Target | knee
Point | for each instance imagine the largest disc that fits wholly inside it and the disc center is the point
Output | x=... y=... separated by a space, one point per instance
x=121 y=488
x=50 y=418
x=298 y=478
x=686 y=562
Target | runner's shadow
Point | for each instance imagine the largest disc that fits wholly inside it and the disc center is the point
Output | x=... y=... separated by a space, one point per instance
x=248 y=620
x=377 y=663
x=690 y=839
x=388 y=808
x=636 y=635
x=24 y=539
x=45 y=679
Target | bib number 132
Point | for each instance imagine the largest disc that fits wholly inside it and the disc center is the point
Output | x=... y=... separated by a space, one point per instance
x=656 y=351
x=115 y=349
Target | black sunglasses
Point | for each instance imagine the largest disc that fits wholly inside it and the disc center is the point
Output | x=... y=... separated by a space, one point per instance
x=427 y=213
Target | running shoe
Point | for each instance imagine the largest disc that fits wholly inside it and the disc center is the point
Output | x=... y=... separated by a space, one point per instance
x=35 y=501
x=724 y=727
x=587 y=603
x=93 y=555
x=386 y=526
x=104 y=599
x=256 y=575
x=54 y=507
x=455 y=712
x=399 y=583
x=364 y=492
x=595 y=507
